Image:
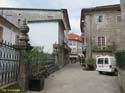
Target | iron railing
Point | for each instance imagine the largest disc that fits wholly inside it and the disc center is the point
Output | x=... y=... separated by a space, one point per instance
x=101 y=48
x=9 y=63
x=38 y=66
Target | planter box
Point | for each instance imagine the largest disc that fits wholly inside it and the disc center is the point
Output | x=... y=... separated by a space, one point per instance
x=36 y=84
x=90 y=67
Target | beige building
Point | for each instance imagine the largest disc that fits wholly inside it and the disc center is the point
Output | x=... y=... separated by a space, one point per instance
x=101 y=29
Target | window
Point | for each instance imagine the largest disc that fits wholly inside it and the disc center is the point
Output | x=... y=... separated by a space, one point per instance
x=100 y=18
x=106 y=60
x=73 y=50
x=100 y=61
x=70 y=42
x=101 y=41
x=74 y=43
x=119 y=19
x=9 y=17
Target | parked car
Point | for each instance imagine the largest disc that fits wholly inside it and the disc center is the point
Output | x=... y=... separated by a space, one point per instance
x=106 y=64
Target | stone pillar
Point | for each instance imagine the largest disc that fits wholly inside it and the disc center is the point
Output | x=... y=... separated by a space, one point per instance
x=61 y=45
x=88 y=33
x=23 y=45
x=123 y=24
x=55 y=51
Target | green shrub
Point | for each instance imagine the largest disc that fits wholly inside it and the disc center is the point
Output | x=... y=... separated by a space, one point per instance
x=90 y=64
x=89 y=61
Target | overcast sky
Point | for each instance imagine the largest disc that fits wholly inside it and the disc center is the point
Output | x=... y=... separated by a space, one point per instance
x=42 y=35
x=73 y=6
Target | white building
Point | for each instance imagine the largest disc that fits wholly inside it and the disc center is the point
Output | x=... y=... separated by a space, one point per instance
x=75 y=43
x=8 y=31
x=44 y=34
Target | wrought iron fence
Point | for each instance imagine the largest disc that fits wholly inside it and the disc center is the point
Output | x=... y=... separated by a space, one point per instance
x=9 y=63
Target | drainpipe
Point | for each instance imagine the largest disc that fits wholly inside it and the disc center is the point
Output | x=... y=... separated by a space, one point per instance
x=90 y=35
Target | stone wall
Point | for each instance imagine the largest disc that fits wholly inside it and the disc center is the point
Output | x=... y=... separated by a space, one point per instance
x=30 y=15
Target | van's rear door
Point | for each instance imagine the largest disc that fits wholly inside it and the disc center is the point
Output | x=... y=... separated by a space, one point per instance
x=99 y=64
x=106 y=64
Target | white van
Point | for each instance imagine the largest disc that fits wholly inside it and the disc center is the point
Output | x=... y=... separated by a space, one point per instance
x=106 y=64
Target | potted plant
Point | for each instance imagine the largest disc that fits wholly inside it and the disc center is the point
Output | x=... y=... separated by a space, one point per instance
x=90 y=64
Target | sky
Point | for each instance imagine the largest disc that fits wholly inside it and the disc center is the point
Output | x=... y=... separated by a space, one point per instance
x=38 y=35
x=73 y=6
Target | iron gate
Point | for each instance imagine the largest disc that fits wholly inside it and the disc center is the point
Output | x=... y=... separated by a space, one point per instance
x=9 y=63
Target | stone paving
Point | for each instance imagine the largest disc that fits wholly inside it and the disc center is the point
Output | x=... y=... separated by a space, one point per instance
x=72 y=79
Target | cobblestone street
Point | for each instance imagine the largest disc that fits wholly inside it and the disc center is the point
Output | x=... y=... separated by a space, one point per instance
x=72 y=79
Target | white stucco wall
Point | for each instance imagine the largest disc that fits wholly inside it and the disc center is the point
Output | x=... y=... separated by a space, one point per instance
x=77 y=47
x=43 y=34
x=8 y=35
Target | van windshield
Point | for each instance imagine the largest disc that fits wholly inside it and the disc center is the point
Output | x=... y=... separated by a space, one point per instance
x=100 y=61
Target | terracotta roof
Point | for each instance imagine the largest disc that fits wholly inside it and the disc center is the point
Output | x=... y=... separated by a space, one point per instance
x=74 y=37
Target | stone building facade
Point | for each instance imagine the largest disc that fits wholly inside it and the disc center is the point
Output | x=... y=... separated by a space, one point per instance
x=101 y=29
x=17 y=15
x=8 y=31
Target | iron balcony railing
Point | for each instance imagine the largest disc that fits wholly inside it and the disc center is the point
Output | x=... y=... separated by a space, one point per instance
x=102 y=48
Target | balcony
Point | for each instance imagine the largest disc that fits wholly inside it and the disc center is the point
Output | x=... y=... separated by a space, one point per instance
x=109 y=48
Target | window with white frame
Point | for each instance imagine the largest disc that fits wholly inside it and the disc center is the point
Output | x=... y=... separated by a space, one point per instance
x=101 y=41
x=74 y=43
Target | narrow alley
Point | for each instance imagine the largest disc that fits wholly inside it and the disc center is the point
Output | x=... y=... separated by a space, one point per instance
x=72 y=79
